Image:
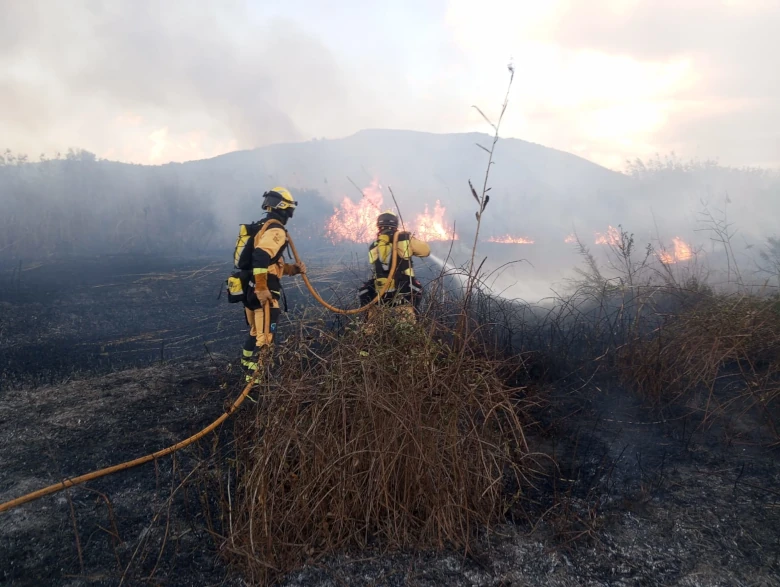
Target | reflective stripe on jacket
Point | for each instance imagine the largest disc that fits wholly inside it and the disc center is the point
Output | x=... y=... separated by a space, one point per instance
x=380 y=256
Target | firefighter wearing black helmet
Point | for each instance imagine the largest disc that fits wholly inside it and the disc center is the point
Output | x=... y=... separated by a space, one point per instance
x=268 y=267
x=405 y=291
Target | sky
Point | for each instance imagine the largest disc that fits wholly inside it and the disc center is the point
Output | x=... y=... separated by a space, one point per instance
x=153 y=81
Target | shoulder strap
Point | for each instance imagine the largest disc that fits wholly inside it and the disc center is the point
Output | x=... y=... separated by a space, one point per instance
x=266 y=224
x=269 y=221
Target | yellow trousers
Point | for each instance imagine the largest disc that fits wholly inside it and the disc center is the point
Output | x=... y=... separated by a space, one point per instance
x=256 y=319
x=258 y=340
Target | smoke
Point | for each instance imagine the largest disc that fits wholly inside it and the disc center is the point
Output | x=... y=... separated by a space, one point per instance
x=538 y=193
x=193 y=78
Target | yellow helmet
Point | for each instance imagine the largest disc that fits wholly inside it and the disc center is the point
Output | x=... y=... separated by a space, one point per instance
x=279 y=198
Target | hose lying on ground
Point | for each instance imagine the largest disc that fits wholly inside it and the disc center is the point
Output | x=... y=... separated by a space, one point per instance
x=140 y=461
x=179 y=445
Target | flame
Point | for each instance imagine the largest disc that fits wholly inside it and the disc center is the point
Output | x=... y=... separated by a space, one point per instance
x=611 y=238
x=682 y=252
x=356 y=222
x=431 y=227
x=511 y=240
x=570 y=239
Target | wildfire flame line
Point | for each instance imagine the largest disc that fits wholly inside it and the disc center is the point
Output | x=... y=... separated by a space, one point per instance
x=431 y=227
x=511 y=240
x=356 y=222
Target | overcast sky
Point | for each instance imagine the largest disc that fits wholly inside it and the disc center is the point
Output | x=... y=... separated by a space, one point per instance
x=152 y=81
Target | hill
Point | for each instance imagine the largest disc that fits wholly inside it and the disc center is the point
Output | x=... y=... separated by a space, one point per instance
x=533 y=184
x=81 y=205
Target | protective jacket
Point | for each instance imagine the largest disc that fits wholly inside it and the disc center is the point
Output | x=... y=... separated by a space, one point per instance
x=268 y=259
x=267 y=267
x=404 y=285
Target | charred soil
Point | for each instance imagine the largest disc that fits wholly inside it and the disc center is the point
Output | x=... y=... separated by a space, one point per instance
x=105 y=360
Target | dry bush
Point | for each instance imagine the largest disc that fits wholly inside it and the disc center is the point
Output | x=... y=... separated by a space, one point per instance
x=393 y=440
x=720 y=337
x=666 y=332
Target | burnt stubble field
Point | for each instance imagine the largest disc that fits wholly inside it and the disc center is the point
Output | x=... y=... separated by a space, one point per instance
x=105 y=359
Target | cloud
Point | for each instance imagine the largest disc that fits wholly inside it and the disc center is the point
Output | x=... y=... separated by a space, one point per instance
x=662 y=29
x=731 y=106
x=602 y=106
x=619 y=78
x=184 y=66
x=607 y=79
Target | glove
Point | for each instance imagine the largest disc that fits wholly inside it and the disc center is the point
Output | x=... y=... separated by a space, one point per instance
x=294 y=269
x=261 y=288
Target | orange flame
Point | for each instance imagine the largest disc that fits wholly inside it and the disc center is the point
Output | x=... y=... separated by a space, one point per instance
x=430 y=227
x=356 y=222
x=570 y=239
x=511 y=240
x=682 y=252
x=611 y=238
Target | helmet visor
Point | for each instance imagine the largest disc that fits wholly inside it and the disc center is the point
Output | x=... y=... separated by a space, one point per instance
x=277 y=202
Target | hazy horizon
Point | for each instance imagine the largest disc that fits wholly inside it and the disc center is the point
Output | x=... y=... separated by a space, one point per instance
x=609 y=81
x=598 y=87
x=36 y=157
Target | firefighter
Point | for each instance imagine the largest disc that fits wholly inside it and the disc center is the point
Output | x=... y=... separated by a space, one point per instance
x=405 y=291
x=268 y=267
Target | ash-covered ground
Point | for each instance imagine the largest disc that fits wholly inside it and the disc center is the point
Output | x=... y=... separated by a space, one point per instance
x=107 y=359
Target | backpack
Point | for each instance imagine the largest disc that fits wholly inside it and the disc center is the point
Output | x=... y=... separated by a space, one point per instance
x=404 y=262
x=245 y=244
x=403 y=287
x=238 y=282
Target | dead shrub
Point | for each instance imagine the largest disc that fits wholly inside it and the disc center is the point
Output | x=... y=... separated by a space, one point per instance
x=391 y=441
x=717 y=339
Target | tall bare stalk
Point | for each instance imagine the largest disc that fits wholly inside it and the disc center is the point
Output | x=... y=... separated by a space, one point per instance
x=482 y=200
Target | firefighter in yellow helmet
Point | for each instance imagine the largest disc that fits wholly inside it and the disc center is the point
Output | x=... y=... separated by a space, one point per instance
x=268 y=267
x=405 y=291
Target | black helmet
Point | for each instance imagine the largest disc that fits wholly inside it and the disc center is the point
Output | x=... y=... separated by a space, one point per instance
x=387 y=219
x=279 y=199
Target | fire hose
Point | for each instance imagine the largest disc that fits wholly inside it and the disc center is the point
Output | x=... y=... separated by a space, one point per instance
x=150 y=457
x=66 y=483
x=379 y=295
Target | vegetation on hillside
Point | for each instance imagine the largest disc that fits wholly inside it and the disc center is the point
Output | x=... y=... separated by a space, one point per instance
x=79 y=205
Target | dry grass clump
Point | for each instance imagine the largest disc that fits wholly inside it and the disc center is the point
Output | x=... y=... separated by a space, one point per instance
x=393 y=440
x=712 y=343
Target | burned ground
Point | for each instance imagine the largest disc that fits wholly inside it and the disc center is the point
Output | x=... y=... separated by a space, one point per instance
x=637 y=501
x=64 y=430
x=108 y=359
